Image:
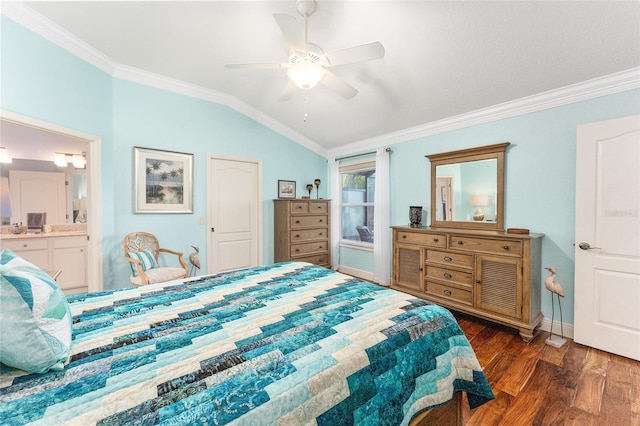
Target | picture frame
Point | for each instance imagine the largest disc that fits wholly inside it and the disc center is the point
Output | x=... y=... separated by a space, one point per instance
x=163 y=181
x=286 y=189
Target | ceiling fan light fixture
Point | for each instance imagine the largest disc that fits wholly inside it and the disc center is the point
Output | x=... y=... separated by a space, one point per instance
x=306 y=75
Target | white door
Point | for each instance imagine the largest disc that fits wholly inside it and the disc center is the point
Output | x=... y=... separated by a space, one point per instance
x=607 y=254
x=35 y=192
x=234 y=214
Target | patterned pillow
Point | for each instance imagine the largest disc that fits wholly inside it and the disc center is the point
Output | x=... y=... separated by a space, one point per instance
x=146 y=258
x=35 y=326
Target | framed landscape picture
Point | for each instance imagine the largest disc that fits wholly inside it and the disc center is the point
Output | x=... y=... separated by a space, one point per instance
x=286 y=189
x=163 y=181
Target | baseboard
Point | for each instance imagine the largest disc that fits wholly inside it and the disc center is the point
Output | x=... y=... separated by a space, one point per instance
x=358 y=273
x=567 y=329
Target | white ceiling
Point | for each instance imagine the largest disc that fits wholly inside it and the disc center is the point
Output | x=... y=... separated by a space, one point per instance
x=443 y=58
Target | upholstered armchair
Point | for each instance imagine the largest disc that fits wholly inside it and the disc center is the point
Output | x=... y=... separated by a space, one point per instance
x=141 y=250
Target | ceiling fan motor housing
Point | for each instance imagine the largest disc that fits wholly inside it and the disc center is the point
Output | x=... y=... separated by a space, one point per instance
x=306 y=7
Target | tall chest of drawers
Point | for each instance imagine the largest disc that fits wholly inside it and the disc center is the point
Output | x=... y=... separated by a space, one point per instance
x=491 y=275
x=301 y=231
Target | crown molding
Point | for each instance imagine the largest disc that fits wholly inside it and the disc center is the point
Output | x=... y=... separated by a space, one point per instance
x=597 y=87
x=177 y=86
x=42 y=26
x=590 y=89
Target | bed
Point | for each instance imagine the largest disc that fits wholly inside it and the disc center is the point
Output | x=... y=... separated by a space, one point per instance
x=284 y=344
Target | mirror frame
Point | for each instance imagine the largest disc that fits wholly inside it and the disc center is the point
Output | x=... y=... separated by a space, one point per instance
x=488 y=152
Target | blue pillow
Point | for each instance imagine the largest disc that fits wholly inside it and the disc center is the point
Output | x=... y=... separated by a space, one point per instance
x=146 y=258
x=35 y=325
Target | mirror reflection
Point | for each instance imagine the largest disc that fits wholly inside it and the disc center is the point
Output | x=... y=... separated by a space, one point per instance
x=467 y=188
x=467 y=191
x=42 y=172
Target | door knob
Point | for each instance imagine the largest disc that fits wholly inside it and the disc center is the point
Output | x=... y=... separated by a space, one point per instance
x=587 y=246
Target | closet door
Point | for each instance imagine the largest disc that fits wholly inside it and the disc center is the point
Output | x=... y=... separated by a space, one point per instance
x=35 y=192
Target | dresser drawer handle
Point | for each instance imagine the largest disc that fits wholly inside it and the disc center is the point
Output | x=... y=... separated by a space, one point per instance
x=299 y=207
x=435 y=240
x=297 y=250
x=404 y=236
x=447 y=275
x=448 y=259
x=297 y=221
x=505 y=247
x=460 y=243
x=447 y=293
x=318 y=207
x=321 y=220
x=297 y=236
x=321 y=233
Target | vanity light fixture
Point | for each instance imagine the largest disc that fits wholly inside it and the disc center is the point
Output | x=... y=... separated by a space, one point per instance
x=4 y=156
x=79 y=161
x=62 y=159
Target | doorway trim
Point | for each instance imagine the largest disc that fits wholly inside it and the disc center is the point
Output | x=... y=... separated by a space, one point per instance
x=94 y=188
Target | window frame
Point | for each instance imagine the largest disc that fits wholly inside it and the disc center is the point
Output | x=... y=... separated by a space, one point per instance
x=359 y=165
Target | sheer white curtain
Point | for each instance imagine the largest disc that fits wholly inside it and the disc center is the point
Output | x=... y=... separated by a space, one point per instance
x=334 y=196
x=382 y=207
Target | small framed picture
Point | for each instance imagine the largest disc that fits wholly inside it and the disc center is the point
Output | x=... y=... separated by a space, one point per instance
x=163 y=181
x=286 y=189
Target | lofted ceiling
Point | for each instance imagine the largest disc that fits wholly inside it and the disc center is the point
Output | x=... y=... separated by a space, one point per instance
x=443 y=58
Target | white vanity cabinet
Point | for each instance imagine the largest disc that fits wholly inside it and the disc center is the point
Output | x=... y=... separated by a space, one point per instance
x=67 y=254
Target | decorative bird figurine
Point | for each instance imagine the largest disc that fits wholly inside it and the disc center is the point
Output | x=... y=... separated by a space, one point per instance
x=195 y=262
x=551 y=284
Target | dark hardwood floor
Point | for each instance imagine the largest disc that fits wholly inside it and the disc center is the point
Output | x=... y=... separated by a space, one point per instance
x=537 y=384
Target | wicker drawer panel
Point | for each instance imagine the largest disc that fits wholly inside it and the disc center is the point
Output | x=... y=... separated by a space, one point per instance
x=429 y=240
x=305 y=221
x=452 y=293
x=443 y=274
x=450 y=259
x=299 y=207
x=318 y=259
x=306 y=248
x=486 y=245
x=309 y=234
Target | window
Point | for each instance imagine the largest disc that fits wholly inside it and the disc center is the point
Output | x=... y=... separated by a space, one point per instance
x=357 y=195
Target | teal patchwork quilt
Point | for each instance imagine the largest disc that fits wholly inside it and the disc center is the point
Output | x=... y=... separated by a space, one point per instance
x=283 y=344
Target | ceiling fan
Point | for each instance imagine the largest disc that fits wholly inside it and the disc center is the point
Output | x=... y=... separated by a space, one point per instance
x=308 y=65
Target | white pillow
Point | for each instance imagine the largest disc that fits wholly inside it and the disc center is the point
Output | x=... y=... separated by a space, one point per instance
x=35 y=319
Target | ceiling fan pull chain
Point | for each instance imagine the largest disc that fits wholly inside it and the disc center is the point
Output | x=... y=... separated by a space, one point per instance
x=305 y=109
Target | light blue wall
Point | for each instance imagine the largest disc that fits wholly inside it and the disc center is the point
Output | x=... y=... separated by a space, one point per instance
x=152 y=118
x=43 y=81
x=539 y=177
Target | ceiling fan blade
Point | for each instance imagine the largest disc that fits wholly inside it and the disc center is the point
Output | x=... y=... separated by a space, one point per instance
x=338 y=85
x=350 y=55
x=289 y=27
x=288 y=91
x=258 y=65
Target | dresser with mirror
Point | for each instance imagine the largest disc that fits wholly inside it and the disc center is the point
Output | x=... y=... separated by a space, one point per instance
x=465 y=260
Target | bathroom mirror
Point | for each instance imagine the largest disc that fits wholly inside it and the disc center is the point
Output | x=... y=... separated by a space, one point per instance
x=467 y=188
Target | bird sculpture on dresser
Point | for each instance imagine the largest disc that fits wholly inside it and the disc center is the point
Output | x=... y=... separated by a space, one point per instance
x=551 y=284
x=193 y=259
